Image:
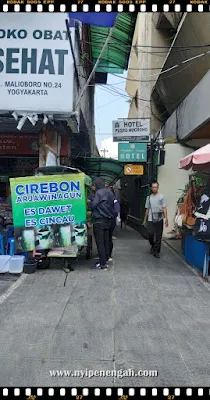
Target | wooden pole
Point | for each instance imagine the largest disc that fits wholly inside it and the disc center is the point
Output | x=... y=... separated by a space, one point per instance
x=49 y=150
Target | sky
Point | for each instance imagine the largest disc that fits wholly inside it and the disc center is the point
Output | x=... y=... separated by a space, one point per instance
x=109 y=107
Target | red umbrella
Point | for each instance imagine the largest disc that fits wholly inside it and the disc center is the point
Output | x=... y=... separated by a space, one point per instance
x=199 y=160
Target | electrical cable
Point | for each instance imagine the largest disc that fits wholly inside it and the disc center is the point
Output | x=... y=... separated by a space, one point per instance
x=114 y=92
x=127 y=79
x=134 y=69
x=119 y=96
x=156 y=53
x=153 y=47
x=171 y=107
x=168 y=69
x=150 y=102
x=160 y=73
x=117 y=93
x=107 y=104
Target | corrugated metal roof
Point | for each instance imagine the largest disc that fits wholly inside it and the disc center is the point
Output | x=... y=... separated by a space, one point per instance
x=116 y=56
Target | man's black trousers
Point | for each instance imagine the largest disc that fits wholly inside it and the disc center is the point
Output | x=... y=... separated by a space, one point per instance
x=155 y=235
x=101 y=232
x=111 y=231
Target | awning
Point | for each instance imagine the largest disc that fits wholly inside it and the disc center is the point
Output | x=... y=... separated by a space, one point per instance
x=107 y=168
x=57 y=170
x=199 y=160
x=116 y=56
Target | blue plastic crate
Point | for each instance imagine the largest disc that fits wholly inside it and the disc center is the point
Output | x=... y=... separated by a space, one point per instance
x=194 y=251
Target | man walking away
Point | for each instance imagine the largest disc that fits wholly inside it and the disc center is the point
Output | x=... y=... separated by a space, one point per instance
x=102 y=206
x=156 y=211
x=113 y=223
x=124 y=211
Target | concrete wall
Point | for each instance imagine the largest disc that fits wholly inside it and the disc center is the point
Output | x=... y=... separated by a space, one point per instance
x=144 y=67
x=192 y=113
x=133 y=111
x=137 y=83
x=174 y=86
x=171 y=178
x=170 y=128
x=184 y=92
x=194 y=110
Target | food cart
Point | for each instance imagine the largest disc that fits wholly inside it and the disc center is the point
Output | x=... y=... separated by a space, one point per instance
x=50 y=213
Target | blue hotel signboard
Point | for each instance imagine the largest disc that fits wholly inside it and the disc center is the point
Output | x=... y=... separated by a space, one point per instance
x=132 y=152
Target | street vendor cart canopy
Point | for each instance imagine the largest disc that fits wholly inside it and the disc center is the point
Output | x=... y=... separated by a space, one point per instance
x=199 y=160
x=107 y=168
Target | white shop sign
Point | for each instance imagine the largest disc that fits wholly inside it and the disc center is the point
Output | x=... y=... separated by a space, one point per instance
x=131 y=130
x=36 y=64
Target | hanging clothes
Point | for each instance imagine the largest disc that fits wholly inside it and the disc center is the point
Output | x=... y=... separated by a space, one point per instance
x=202 y=213
x=190 y=205
x=204 y=204
x=202 y=229
x=187 y=208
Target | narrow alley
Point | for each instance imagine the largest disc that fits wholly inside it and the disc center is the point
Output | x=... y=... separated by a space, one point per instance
x=143 y=313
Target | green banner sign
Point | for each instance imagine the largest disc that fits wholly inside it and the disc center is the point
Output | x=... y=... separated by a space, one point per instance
x=49 y=211
x=132 y=152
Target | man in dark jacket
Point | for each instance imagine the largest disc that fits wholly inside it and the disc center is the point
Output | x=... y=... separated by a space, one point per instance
x=113 y=222
x=102 y=206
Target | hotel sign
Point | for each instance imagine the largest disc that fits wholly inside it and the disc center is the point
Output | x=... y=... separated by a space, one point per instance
x=132 y=152
x=131 y=130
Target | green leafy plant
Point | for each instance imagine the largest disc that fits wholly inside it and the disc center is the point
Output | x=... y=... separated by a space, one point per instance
x=183 y=194
x=199 y=179
x=199 y=182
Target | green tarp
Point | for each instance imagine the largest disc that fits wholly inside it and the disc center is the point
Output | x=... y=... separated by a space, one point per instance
x=116 y=56
x=107 y=168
